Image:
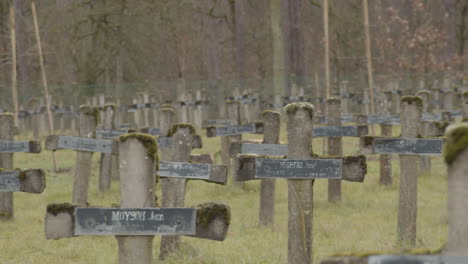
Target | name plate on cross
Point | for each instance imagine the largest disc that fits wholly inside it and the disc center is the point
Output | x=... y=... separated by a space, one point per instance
x=85 y=144
x=340 y=131
x=184 y=170
x=264 y=149
x=9 y=181
x=109 y=133
x=235 y=130
x=298 y=169
x=20 y=146
x=383 y=119
x=408 y=146
x=134 y=222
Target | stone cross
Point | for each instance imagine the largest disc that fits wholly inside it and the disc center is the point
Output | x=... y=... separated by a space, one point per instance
x=233 y=132
x=178 y=169
x=136 y=221
x=409 y=147
x=270 y=147
x=7 y=148
x=85 y=145
x=300 y=168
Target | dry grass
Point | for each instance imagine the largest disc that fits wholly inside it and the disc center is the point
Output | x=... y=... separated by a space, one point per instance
x=364 y=221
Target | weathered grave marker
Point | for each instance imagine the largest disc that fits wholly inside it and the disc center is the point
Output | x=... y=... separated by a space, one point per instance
x=105 y=169
x=269 y=147
x=85 y=145
x=137 y=221
x=300 y=169
x=233 y=132
x=386 y=131
x=177 y=171
x=408 y=147
x=7 y=148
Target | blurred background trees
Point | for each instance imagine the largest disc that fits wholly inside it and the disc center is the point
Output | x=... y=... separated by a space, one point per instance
x=119 y=47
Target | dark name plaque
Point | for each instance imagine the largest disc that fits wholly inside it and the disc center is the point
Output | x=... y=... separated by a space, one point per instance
x=383 y=119
x=184 y=170
x=417 y=259
x=14 y=146
x=340 y=131
x=134 y=222
x=264 y=149
x=85 y=144
x=298 y=169
x=9 y=181
x=109 y=133
x=235 y=130
x=416 y=146
x=164 y=142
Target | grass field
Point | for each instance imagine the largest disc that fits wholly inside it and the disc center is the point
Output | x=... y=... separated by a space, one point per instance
x=364 y=221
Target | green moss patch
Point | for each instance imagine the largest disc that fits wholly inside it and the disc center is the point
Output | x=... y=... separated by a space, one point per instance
x=147 y=140
x=333 y=100
x=270 y=112
x=207 y=212
x=112 y=106
x=90 y=111
x=56 y=208
x=416 y=100
x=175 y=127
x=6 y=114
x=456 y=142
x=294 y=107
x=232 y=102
x=166 y=109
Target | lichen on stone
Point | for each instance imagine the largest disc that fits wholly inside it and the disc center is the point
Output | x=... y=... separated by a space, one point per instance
x=413 y=100
x=232 y=102
x=90 y=111
x=207 y=212
x=270 y=112
x=7 y=114
x=175 y=127
x=456 y=142
x=166 y=109
x=112 y=106
x=147 y=140
x=57 y=208
x=165 y=106
x=333 y=100
x=465 y=95
x=294 y=107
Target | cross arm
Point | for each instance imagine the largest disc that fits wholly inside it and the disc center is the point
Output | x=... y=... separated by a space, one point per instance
x=56 y=142
x=33 y=146
x=212 y=221
x=354 y=168
x=29 y=181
